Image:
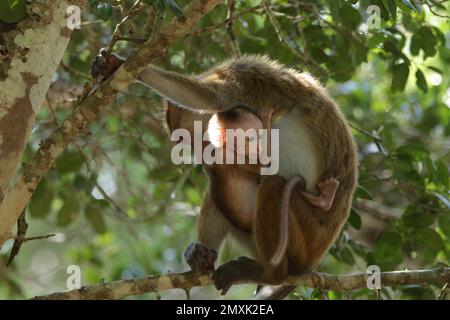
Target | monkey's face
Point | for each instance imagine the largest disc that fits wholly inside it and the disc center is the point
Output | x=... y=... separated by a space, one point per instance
x=239 y=132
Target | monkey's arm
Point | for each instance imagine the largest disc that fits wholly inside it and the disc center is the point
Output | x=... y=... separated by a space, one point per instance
x=187 y=91
x=327 y=190
x=212 y=229
x=190 y=92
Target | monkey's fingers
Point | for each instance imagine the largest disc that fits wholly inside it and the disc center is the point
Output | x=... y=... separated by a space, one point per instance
x=104 y=64
x=199 y=257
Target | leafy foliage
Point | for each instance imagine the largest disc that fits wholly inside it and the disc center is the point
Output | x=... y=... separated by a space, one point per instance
x=12 y=11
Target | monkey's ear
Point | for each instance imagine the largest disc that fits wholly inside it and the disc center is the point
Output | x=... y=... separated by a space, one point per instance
x=169 y=110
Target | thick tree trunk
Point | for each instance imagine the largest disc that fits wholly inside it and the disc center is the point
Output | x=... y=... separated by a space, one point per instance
x=33 y=49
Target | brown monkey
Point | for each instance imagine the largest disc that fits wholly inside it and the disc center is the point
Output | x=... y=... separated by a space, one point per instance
x=234 y=186
x=315 y=143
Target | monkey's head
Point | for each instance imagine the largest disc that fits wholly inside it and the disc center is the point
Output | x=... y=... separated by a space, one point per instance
x=239 y=117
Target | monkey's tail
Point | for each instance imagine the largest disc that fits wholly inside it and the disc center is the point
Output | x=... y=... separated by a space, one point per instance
x=284 y=216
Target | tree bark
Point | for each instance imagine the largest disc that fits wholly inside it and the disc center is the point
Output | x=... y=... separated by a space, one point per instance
x=34 y=48
x=188 y=280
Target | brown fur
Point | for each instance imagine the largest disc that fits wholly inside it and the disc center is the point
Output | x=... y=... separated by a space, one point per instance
x=258 y=82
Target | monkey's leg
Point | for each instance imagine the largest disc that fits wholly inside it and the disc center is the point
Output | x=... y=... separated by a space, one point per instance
x=212 y=229
x=327 y=190
x=266 y=233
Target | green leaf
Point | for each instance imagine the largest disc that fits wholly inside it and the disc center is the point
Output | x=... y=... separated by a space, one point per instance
x=388 y=253
x=93 y=3
x=442 y=172
x=347 y=256
x=193 y=195
x=334 y=10
x=12 y=11
x=400 y=74
x=70 y=162
x=405 y=6
x=41 y=201
x=95 y=218
x=363 y=193
x=349 y=16
x=421 y=81
x=354 y=219
x=439 y=35
x=104 y=11
x=391 y=7
x=68 y=212
x=427 y=242
x=430 y=169
x=444 y=224
x=414 y=150
x=173 y=6
x=424 y=39
x=80 y=183
x=414 y=217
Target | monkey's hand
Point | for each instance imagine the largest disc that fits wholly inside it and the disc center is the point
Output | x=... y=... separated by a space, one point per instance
x=199 y=257
x=240 y=269
x=266 y=114
x=104 y=64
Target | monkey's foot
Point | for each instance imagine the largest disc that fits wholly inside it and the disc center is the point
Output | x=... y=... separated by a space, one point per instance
x=241 y=269
x=199 y=257
x=327 y=190
x=104 y=64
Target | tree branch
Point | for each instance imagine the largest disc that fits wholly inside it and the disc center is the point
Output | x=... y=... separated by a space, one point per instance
x=18 y=196
x=188 y=280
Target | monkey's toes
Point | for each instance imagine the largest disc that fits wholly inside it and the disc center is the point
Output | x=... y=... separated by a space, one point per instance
x=224 y=277
x=329 y=183
x=241 y=269
x=199 y=257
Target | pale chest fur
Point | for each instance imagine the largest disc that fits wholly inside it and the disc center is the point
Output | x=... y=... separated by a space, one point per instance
x=297 y=156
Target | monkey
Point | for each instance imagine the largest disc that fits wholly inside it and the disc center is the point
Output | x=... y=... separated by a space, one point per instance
x=234 y=186
x=315 y=145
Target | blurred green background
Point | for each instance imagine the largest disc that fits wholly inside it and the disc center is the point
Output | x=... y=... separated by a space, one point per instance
x=121 y=209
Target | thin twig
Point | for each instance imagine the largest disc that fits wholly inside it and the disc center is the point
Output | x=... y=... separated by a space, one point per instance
x=281 y=38
x=76 y=72
x=444 y=292
x=221 y=24
x=233 y=41
x=135 y=8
